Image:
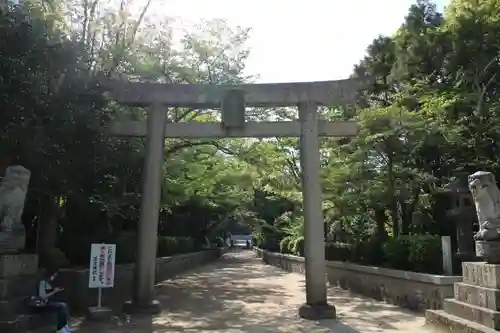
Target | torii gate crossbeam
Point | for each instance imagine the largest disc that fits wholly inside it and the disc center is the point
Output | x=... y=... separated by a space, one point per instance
x=307 y=96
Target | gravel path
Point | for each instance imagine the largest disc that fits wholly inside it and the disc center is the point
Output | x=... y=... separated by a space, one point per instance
x=240 y=294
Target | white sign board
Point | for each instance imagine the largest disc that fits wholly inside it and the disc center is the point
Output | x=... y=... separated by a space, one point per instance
x=102 y=266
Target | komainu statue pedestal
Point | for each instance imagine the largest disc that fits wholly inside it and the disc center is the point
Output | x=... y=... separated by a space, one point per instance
x=13 y=190
x=476 y=305
x=489 y=251
x=18 y=271
x=18 y=278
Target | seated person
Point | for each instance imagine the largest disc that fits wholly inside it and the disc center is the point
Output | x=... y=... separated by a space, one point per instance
x=45 y=292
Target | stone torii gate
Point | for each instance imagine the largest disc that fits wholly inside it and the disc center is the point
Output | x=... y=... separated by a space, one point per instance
x=233 y=99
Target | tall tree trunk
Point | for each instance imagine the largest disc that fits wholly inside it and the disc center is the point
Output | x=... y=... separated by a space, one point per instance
x=405 y=218
x=380 y=220
x=392 y=192
x=47 y=228
x=407 y=210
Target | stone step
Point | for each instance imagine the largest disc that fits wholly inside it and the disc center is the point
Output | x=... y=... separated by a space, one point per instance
x=13 y=325
x=40 y=321
x=481 y=274
x=37 y=322
x=483 y=316
x=483 y=297
x=47 y=329
x=440 y=321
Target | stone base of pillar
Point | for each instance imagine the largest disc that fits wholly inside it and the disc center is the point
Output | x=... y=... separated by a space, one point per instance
x=317 y=312
x=18 y=279
x=154 y=307
x=98 y=314
x=489 y=251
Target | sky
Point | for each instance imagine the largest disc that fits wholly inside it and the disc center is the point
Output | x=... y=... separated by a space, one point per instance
x=300 y=40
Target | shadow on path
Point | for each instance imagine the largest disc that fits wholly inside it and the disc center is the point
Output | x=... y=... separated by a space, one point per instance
x=240 y=294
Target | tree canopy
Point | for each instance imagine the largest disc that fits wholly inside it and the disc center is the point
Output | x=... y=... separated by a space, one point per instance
x=430 y=116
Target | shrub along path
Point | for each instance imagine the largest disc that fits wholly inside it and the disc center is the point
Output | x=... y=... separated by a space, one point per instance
x=240 y=294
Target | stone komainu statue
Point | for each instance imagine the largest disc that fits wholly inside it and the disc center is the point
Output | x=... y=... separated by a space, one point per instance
x=13 y=189
x=486 y=197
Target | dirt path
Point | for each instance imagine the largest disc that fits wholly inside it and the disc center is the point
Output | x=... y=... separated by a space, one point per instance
x=240 y=294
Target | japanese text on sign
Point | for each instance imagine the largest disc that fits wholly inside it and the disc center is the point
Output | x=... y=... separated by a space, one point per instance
x=102 y=266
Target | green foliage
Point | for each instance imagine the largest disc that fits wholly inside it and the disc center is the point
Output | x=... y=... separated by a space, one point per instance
x=168 y=245
x=126 y=247
x=430 y=115
x=370 y=252
x=421 y=253
x=55 y=123
x=293 y=245
x=397 y=252
x=339 y=251
x=220 y=242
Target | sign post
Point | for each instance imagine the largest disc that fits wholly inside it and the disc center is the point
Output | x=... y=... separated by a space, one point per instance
x=101 y=275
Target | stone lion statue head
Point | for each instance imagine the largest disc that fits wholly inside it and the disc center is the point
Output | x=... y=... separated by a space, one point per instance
x=16 y=176
x=484 y=189
x=482 y=183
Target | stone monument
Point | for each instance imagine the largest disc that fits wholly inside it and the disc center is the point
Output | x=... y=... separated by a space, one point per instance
x=18 y=271
x=13 y=189
x=476 y=305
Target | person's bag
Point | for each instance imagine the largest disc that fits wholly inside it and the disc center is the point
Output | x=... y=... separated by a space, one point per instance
x=35 y=302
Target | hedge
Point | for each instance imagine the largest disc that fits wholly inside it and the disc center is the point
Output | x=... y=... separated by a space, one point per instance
x=168 y=245
x=417 y=253
x=126 y=247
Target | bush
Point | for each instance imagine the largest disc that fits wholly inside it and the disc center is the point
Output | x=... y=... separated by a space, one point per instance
x=168 y=245
x=426 y=254
x=418 y=253
x=271 y=244
x=337 y=251
x=126 y=248
x=370 y=252
x=397 y=252
x=297 y=246
x=292 y=245
x=285 y=244
x=220 y=242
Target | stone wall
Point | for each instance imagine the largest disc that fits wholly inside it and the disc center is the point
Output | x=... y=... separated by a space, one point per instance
x=79 y=296
x=415 y=291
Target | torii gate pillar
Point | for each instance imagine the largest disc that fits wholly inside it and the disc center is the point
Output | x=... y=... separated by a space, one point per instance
x=316 y=306
x=143 y=296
